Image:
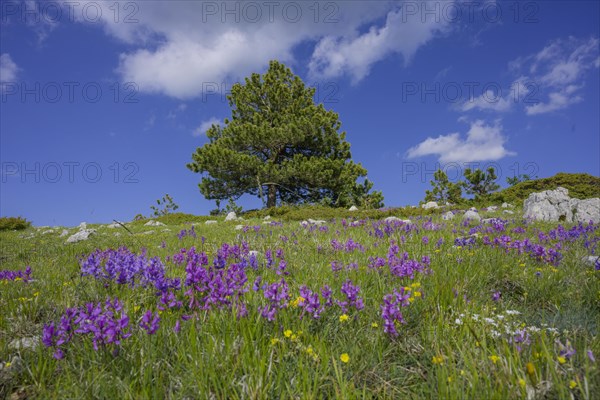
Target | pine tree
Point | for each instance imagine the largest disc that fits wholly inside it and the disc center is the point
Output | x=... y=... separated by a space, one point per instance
x=443 y=190
x=480 y=184
x=277 y=145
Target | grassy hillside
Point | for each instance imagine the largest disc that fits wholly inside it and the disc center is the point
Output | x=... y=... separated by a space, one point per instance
x=580 y=186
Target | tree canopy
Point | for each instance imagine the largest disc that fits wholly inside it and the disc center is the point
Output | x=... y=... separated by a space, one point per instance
x=278 y=145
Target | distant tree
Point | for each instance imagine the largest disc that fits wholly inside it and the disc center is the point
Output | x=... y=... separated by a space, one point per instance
x=517 y=179
x=361 y=196
x=443 y=190
x=164 y=206
x=277 y=145
x=480 y=184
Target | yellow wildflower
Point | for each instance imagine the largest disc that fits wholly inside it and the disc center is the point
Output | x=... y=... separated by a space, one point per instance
x=522 y=382
x=136 y=308
x=494 y=358
x=374 y=325
x=438 y=359
x=449 y=379
x=344 y=318
x=287 y=333
x=562 y=360
x=274 y=341
x=344 y=357
x=417 y=294
x=298 y=300
x=572 y=384
x=530 y=368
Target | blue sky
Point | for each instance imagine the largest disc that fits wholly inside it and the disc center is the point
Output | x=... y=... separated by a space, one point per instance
x=103 y=103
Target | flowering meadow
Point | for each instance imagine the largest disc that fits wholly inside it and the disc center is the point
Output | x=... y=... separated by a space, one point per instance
x=349 y=308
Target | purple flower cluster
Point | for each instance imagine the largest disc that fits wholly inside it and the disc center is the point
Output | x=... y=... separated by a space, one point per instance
x=311 y=304
x=277 y=295
x=106 y=324
x=150 y=322
x=191 y=232
x=352 y=299
x=348 y=247
x=404 y=266
x=214 y=287
x=124 y=267
x=390 y=311
x=14 y=275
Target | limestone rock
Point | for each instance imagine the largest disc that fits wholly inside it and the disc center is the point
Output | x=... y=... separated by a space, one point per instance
x=26 y=343
x=210 y=222
x=471 y=215
x=448 y=216
x=431 y=204
x=353 y=208
x=231 y=216
x=154 y=223
x=81 y=235
x=394 y=219
x=556 y=205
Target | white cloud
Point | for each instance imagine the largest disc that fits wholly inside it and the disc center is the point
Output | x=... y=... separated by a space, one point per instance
x=354 y=55
x=483 y=142
x=557 y=101
x=8 y=69
x=205 y=125
x=488 y=101
x=559 y=71
x=180 y=48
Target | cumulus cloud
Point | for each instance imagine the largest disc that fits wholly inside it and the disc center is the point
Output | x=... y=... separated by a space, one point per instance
x=181 y=48
x=354 y=55
x=483 y=142
x=488 y=101
x=8 y=69
x=559 y=71
x=205 y=125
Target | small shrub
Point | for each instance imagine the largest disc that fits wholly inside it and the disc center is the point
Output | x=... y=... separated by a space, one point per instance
x=13 y=224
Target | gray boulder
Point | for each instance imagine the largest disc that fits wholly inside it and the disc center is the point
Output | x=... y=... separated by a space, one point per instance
x=154 y=223
x=231 y=216
x=508 y=212
x=81 y=235
x=587 y=210
x=430 y=204
x=492 y=208
x=471 y=215
x=353 y=208
x=556 y=205
x=448 y=216
x=396 y=219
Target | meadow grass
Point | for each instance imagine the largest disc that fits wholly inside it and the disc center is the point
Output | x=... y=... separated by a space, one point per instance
x=481 y=321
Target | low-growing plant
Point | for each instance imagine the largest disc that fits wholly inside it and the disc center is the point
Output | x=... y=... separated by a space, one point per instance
x=14 y=224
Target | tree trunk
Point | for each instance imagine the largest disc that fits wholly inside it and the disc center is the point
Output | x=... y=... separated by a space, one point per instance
x=272 y=196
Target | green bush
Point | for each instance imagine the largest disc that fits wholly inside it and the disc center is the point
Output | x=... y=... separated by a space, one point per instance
x=580 y=186
x=13 y=223
x=304 y=212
